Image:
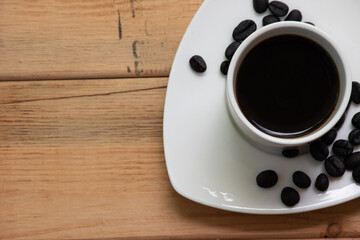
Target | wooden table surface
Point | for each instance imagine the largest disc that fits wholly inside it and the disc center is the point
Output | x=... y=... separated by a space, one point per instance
x=81 y=154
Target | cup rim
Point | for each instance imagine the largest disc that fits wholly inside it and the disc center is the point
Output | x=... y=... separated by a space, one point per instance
x=295 y=141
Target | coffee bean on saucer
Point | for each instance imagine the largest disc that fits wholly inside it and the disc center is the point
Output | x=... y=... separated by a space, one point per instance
x=301 y=179
x=356 y=120
x=278 y=8
x=322 y=182
x=267 y=179
x=197 y=63
x=260 y=6
x=352 y=161
x=290 y=153
x=243 y=30
x=290 y=196
x=230 y=50
x=310 y=23
x=342 y=148
x=224 y=67
x=329 y=137
x=270 y=19
x=318 y=150
x=294 y=15
x=356 y=174
x=334 y=166
x=341 y=121
x=354 y=137
x=355 y=92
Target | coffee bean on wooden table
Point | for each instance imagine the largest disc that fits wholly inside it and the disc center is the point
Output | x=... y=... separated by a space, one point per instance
x=267 y=179
x=270 y=19
x=260 y=6
x=322 y=182
x=352 y=161
x=354 y=137
x=197 y=63
x=301 y=179
x=294 y=15
x=355 y=92
x=356 y=120
x=278 y=8
x=290 y=196
x=319 y=150
x=310 y=23
x=230 y=50
x=224 y=67
x=356 y=174
x=329 y=137
x=244 y=29
x=290 y=153
x=342 y=147
x=334 y=166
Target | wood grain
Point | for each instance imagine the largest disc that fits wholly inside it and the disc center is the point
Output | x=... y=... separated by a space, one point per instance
x=84 y=159
x=47 y=39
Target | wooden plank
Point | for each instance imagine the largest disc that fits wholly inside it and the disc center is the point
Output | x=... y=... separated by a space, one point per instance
x=47 y=39
x=89 y=163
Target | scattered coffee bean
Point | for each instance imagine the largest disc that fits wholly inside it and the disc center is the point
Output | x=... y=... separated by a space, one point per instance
x=342 y=148
x=341 y=121
x=267 y=179
x=355 y=92
x=301 y=179
x=310 y=23
x=356 y=174
x=354 y=137
x=260 y=6
x=230 y=50
x=290 y=153
x=197 y=63
x=356 y=120
x=318 y=150
x=352 y=161
x=322 y=182
x=290 y=196
x=243 y=30
x=224 y=67
x=270 y=19
x=294 y=15
x=329 y=137
x=334 y=166
x=278 y=8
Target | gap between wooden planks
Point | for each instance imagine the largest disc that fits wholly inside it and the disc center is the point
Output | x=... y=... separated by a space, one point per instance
x=84 y=159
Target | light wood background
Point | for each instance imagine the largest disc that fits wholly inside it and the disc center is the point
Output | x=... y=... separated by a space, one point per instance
x=81 y=103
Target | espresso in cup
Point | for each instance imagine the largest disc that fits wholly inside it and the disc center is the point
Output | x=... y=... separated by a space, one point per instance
x=287 y=86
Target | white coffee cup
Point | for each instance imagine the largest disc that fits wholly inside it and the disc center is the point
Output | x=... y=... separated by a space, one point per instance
x=273 y=143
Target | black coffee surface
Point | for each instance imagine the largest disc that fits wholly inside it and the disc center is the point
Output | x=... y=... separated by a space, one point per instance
x=287 y=86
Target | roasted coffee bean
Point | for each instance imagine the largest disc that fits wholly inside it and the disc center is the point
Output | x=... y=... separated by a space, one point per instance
x=334 y=166
x=355 y=92
x=243 y=30
x=270 y=19
x=356 y=174
x=267 y=179
x=356 y=120
x=278 y=8
x=310 y=23
x=342 y=148
x=294 y=15
x=230 y=50
x=354 y=137
x=352 y=161
x=318 y=150
x=329 y=137
x=322 y=182
x=260 y=6
x=290 y=153
x=290 y=196
x=341 y=121
x=301 y=179
x=224 y=67
x=197 y=63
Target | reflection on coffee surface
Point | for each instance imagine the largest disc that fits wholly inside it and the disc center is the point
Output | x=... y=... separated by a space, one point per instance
x=287 y=86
